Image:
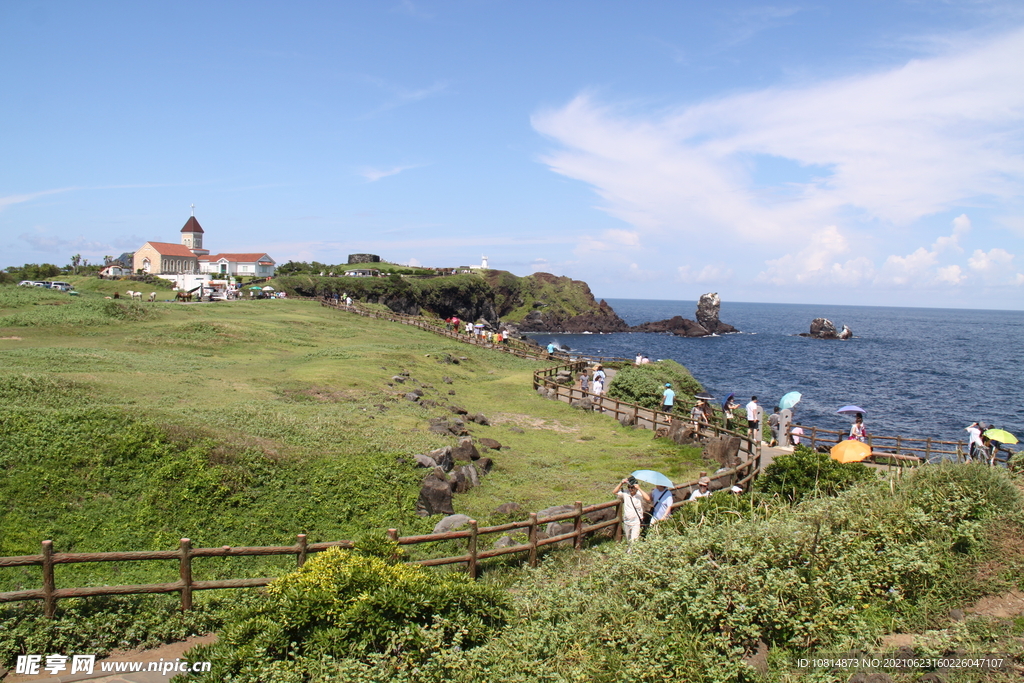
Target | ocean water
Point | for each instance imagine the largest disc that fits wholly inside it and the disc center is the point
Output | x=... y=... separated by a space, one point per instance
x=917 y=372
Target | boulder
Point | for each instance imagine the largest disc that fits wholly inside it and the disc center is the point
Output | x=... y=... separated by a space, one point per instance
x=847 y=333
x=411 y=396
x=425 y=461
x=446 y=380
x=443 y=458
x=458 y=481
x=458 y=410
x=559 y=528
x=516 y=430
x=554 y=510
x=484 y=466
x=465 y=451
x=435 y=495
x=724 y=450
x=505 y=542
x=489 y=443
x=398 y=378
x=482 y=420
x=507 y=509
x=469 y=472
x=583 y=404
x=682 y=432
x=627 y=420
x=450 y=523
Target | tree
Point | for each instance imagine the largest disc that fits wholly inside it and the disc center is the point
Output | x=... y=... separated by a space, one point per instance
x=75 y=260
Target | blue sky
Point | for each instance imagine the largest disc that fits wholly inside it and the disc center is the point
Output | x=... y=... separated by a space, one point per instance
x=830 y=152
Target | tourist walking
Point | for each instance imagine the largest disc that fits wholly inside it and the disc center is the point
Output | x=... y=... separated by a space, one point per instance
x=668 y=399
x=974 y=444
x=773 y=426
x=754 y=414
x=633 y=498
x=728 y=408
x=600 y=379
x=661 y=506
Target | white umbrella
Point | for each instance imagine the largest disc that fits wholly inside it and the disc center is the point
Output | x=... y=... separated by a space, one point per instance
x=268 y=288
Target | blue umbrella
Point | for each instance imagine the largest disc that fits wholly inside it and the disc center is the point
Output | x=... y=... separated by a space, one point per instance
x=850 y=410
x=789 y=400
x=652 y=477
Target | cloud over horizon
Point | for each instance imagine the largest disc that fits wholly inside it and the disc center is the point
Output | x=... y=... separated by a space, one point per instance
x=823 y=166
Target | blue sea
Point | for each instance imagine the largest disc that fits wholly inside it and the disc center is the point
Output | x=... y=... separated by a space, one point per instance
x=917 y=372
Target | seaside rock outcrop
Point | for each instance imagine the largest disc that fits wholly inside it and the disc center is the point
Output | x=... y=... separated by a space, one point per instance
x=559 y=304
x=435 y=495
x=823 y=328
x=707 y=314
x=707 y=322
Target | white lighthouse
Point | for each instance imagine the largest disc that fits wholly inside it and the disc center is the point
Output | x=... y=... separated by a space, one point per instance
x=483 y=263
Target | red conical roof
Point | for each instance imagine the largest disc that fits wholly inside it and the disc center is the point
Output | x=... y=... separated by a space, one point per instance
x=192 y=225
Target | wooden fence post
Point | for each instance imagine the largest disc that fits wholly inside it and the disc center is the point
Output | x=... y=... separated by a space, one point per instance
x=928 y=449
x=618 y=519
x=472 y=548
x=49 y=603
x=300 y=556
x=578 y=530
x=185 y=571
x=898 y=444
x=533 y=539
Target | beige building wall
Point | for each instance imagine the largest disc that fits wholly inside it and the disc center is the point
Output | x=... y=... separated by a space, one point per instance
x=158 y=263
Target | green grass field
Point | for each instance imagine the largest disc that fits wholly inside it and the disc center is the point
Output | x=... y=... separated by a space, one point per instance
x=128 y=426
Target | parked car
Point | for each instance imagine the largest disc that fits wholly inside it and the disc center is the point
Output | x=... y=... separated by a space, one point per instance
x=27 y=283
x=62 y=286
x=44 y=285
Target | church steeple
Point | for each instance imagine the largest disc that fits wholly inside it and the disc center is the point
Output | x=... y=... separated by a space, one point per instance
x=192 y=235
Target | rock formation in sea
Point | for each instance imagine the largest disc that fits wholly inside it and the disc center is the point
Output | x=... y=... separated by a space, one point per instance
x=823 y=328
x=707 y=322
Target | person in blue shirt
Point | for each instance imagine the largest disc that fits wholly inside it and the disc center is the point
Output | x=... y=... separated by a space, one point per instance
x=668 y=398
x=551 y=348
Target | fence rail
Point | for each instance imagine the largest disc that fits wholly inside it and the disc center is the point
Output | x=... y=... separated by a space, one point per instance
x=186 y=585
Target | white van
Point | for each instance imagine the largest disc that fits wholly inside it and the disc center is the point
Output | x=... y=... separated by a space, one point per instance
x=62 y=286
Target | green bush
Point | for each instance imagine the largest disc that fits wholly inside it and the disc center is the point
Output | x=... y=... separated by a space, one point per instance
x=806 y=473
x=344 y=604
x=643 y=384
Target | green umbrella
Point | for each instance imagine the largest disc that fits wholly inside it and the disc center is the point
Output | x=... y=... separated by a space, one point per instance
x=255 y=287
x=1001 y=435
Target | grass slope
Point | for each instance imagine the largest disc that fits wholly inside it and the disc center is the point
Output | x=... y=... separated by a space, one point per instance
x=128 y=426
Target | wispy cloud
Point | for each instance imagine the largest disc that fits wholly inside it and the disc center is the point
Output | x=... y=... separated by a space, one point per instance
x=883 y=151
x=11 y=200
x=375 y=174
x=399 y=95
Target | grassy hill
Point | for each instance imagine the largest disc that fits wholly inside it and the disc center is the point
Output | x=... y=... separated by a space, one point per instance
x=129 y=426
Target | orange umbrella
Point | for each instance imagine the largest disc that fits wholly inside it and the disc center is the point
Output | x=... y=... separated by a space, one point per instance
x=850 y=451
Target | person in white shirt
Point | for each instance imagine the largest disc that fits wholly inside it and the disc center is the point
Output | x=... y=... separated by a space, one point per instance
x=754 y=419
x=702 y=490
x=633 y=498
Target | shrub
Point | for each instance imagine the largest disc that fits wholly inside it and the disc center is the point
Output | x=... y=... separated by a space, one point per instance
x=643 y=384
x=806 y=472
x=344 y=604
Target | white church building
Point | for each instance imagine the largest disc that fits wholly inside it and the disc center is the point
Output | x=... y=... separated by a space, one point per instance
x=188 y=263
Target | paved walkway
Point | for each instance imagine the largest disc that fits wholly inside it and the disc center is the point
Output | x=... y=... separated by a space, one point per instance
x=167 y=653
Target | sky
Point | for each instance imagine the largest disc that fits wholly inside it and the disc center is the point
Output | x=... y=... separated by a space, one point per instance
x=810 y=152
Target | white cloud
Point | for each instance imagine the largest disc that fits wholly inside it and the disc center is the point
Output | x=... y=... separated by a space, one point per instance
x=886 y=148
x=961 y=226
x=990 y=261
x=609 y=240
x=817 y=263
x=375 y=174
x=11 y=200
x=709 y=273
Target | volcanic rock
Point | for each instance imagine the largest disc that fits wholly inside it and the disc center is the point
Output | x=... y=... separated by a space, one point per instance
x=435 y=495
x=823 y=328
x=450 y=523
x=707 y=314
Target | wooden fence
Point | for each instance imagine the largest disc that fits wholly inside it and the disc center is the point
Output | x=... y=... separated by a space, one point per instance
x=924 y=449
x=536 y=539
